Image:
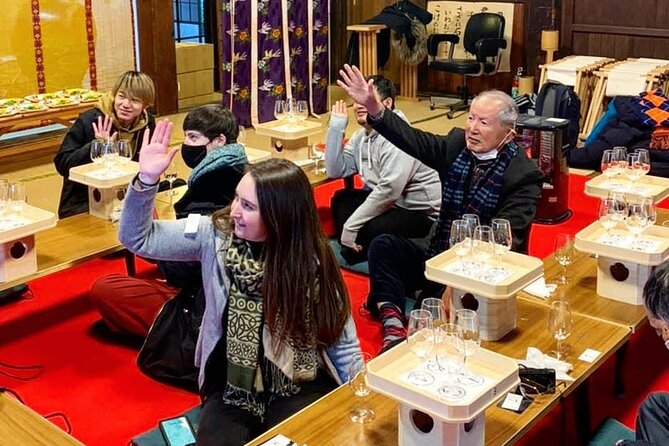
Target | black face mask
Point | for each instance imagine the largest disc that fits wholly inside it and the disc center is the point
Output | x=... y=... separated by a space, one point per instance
x=193 y=155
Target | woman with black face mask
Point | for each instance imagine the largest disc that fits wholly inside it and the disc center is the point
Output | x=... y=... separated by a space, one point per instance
x=129 y=305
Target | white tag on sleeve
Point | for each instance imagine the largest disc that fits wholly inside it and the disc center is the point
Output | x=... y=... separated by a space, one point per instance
x=192 y=222
x=589 y=355
x=512 y=401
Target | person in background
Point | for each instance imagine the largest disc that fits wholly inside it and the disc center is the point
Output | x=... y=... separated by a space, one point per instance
x=652 y=423
x=275 y=335
x=401 y=195
x=482 y=172
x=120 y=114
x=129 y=305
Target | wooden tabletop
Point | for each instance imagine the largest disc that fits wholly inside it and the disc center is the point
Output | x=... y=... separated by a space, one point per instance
x=61 y=115
x=326 y=421
x=21 y=426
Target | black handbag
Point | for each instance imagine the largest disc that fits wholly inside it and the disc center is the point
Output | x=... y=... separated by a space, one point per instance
x=168 y=354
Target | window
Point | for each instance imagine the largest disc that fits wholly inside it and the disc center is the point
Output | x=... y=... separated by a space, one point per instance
x=188 y=20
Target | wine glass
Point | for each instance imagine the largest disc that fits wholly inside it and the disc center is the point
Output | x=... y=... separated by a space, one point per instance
x=483 y=244
x=633 y=169
x=564 y=254
x=241 y=135
x=290 y=107
x=317 y=154
x=468 y=320
x=472 y=221
x=96 y=151
x=620 y=159
x=434 y=306
x=559 y=324
x=420 y=336
x=17 y=196
x=460 y=240
x=109 y=155
x=450 y=348
x=644 y=160
x=124 y=149
x=171 y=176
x=607 y=165
x=280 y=110
x=4 y=197
x=649 y=205
x=620 y=206
x=502 y=236
x=607 y=215
x=636 y=220
x=302 y=110
x=357 y=380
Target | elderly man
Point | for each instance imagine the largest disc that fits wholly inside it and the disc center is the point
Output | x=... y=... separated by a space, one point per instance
x=652 y=423
x=401 y=195
x=482 y=172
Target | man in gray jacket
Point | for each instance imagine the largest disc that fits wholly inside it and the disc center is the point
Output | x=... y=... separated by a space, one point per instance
x=401 y=195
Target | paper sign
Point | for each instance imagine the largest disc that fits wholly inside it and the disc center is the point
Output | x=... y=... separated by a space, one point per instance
x=512 y=401
x=589 y=355
x=192 y=223
x=279 y=440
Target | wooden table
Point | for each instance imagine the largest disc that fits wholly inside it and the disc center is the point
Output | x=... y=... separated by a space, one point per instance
x=326 y=421
x=60 y=115
x=21 y=426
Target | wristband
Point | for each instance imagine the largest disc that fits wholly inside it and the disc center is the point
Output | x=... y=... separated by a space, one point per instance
x=146 y=185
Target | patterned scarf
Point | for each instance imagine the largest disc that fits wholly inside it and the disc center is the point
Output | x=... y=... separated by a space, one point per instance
x=222 y=156
x=483 y=194
x=253 y=381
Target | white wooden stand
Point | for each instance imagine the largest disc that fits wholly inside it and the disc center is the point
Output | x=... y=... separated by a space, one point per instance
x=18 y=258
x=629 y=290
x=101 y=202
x=103 y=193
x=497 y=317
x=439 y=433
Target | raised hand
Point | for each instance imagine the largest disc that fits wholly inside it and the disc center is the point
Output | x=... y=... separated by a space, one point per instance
x=103 y=128
x=362 y=91
x=155 y=155
x=339 y=109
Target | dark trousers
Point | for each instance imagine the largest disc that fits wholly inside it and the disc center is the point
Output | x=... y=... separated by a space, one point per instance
x=396 y=220
x=225 y=425
x=652 y=422
x=397 y=270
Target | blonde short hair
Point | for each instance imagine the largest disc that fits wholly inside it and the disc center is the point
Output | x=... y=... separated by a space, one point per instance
x=137 y=85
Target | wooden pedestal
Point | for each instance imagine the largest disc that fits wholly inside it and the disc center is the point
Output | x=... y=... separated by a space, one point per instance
x=103 y=201
x=17 y=258
x=621 y=281
x=497 y=317
x=420 y=429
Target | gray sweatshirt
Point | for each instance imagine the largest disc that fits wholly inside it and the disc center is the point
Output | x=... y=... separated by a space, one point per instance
x=395 y=178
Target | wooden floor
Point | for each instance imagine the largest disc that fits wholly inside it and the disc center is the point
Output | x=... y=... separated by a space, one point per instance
x=43 y=182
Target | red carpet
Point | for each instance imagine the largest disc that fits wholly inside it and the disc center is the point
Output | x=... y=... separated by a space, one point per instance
x=107 y=400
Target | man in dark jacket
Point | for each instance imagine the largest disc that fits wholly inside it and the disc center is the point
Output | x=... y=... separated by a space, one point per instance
x=120 y=114
x=482 y=172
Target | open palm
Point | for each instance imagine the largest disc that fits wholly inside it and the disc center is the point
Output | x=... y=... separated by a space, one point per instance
x=155 y=155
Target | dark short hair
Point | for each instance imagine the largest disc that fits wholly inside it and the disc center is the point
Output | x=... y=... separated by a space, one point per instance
x=212 y=121
x=656 y=292
x=384 y=87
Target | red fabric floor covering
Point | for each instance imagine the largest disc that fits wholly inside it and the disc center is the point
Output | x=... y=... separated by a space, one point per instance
x=107 y=400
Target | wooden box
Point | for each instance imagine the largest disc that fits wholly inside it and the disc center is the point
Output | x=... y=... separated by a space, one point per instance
x=646 y=186
x=17 y=242
x=96 y=175
x=497 y=317
x=289 y=135
x=191 y=56
x=623 y=271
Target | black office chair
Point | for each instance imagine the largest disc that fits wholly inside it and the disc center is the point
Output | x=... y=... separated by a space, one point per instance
x=484 y=38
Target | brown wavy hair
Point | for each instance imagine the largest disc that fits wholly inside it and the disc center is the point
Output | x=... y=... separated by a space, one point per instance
x=304 y=297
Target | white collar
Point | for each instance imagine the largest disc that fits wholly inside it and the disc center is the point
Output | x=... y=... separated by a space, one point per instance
x=487 y=155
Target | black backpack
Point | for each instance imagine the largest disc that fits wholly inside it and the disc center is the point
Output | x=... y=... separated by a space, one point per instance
x=560 y=101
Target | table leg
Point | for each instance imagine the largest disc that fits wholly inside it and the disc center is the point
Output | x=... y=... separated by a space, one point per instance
x=130 y=266
x=582 y=412
x=619 y=378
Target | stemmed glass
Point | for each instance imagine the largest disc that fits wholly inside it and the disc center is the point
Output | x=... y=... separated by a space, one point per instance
x=468 y=320
x=619 y=206
x=644 y=160
x=280 y=110
x=649 y=206
x=420 y=335
x=450 y=348
x=608 y=164
x=483 y=244
x=317 y=153
x=620 y=159
x=357 y=380
x=636 y=220
x=96 y=151
x=17 y=195
x=290 y=107
x=564 y=254
x=460 y=239
x=241 y=135
x=4 y=197
x=109 y=155
x=171 y=176
x=472 y=221
x=502 y=236
x=124 y=151
x=633 y=169
x=559 y=324
x=437 y=310
x=302 y=111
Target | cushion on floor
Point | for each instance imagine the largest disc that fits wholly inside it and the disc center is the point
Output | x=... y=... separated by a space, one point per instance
x=610 y=432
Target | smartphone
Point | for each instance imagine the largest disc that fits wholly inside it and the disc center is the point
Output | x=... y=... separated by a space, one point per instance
x=177 y=431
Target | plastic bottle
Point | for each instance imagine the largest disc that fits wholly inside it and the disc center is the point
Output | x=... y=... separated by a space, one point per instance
x=516 y=82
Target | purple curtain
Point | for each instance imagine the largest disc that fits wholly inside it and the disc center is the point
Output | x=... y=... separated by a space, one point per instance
x=291 y=55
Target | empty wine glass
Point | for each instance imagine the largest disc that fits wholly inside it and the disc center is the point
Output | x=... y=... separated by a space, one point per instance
x=109 y=155
x=620 y=159
x=559 y=324
x=644 y=160
x=483 y=244
x=280 y=110
x=290 y=107
x=636 y=220
x=460 y=240
x=634 y=169
x=564 y=254
x=607 y=165
x=450 y=348
x=171 y=176
x=317 y=154
x=124 y=151
x=302 y=111
x=420 y=335
x=436 y=308
x=17 y=196
x=4 y=197
x=468 y=320
x=620 y=206
x=472 y=221
x=649 y=205
x=357 y=380
x=241 y=136
x=502 y=236
x=607 y=215
x=96 y=151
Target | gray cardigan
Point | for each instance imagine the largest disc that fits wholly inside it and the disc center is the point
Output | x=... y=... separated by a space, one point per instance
x=166 y=240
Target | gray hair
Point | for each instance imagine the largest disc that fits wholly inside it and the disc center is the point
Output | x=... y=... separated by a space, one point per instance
x=508 y=113
x=656 y=292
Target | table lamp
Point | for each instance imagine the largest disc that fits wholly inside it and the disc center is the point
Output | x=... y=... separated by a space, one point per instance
x=550 y=42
